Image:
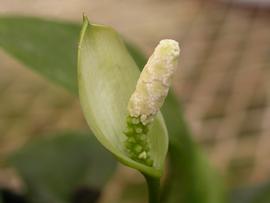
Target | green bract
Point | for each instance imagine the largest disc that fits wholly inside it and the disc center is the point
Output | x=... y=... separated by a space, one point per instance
x=107 y=77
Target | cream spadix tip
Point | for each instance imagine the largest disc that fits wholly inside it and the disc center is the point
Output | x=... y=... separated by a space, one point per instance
x=154 y=82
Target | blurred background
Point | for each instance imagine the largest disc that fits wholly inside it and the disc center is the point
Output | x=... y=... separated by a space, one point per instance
x=223 y=80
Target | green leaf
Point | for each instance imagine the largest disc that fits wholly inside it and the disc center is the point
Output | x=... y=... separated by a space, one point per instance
x=42 y=45
x=191 y=178
x=54 y=166
x=47 y=47
x=107 y=77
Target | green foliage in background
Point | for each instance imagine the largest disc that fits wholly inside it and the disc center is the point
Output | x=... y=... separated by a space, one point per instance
x=55 y=165
x=191 y=178
x=42 y=46
x=49 y=48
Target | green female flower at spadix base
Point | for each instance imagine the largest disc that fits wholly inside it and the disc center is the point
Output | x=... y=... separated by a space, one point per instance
x=114 y=97
x=146 y=101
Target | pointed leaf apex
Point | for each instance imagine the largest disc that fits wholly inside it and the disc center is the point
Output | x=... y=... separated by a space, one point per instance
x=85 y=18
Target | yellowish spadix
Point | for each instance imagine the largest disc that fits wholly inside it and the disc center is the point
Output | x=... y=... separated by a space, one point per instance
x=154 y=82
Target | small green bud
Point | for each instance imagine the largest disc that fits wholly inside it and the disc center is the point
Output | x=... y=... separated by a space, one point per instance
x=138 y=148
x=138 y=130
x=143 y=155
x=135 y=121
x=129 y=131
x=131 y=140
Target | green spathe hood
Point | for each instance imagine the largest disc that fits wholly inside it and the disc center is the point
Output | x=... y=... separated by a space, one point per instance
x=107 y=77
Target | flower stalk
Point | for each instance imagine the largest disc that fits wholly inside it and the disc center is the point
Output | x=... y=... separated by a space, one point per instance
x=153 y=189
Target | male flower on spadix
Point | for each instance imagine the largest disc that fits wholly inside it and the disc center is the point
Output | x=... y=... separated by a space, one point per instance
x=154 y=82
x=146 y=101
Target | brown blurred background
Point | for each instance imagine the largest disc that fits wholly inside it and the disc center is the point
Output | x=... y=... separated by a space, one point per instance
x=223 y=79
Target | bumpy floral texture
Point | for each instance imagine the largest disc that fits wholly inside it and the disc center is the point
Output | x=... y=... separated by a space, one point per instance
x=148 y=97
x=154 y=82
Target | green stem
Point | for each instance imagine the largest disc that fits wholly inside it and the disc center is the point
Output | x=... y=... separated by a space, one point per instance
x=153 y=185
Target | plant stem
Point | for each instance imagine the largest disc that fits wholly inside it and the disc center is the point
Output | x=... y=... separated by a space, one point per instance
x=153 y=185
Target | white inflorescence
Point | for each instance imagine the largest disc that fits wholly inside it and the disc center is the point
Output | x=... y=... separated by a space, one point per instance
x=154 y=82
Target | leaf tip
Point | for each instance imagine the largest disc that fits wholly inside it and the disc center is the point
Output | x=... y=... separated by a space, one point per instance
x=83 y=30
x=85 y=18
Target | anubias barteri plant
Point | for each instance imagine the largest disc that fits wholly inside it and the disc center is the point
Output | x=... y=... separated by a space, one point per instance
x=122 y=106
